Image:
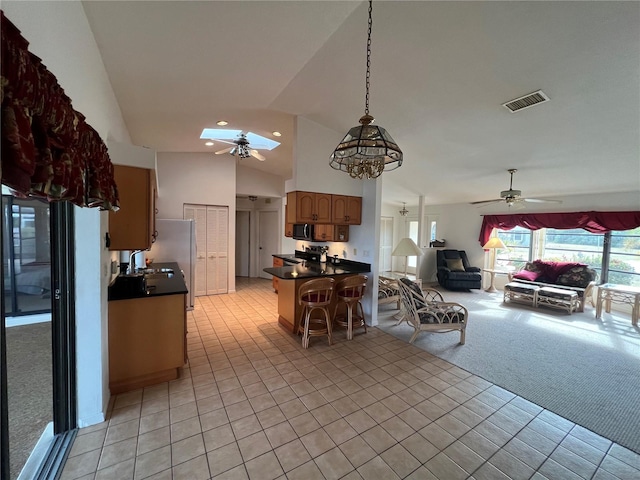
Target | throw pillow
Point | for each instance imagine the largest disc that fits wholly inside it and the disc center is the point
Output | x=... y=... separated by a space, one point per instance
x=527 y=275
x=455 y=265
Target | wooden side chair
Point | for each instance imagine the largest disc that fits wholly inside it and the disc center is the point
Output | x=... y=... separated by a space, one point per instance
x=427 y=312
x=315 y=295
x=349 y=292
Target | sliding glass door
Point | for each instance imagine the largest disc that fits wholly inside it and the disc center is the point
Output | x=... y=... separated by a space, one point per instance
x=37 y=374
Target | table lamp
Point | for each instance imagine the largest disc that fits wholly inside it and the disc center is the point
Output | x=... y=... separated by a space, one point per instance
x=406 y=248
x=493 y=244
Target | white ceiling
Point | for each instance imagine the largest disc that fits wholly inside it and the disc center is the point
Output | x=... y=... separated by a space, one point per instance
x=440 y=72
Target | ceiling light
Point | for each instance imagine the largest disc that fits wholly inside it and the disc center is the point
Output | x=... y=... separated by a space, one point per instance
x=209 y=144
x=222 y=123
x=368 y=150
x=404 y=210
x=276 y=134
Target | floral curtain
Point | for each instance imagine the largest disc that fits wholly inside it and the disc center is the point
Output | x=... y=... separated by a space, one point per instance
x=594 y=222
x=48 y=150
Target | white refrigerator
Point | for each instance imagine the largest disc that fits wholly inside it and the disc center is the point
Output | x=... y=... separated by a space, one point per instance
x=176 y=242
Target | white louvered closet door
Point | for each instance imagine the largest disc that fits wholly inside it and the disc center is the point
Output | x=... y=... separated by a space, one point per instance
x=217 y=249
x=212 y=248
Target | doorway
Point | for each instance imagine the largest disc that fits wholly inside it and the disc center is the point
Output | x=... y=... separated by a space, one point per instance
x=268 y=228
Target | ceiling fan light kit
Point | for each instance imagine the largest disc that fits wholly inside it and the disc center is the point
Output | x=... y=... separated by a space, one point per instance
x=366 y=150
x=243 y=145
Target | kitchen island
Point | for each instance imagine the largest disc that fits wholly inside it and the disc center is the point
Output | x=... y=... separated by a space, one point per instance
x=292 y=276
x=147 y=328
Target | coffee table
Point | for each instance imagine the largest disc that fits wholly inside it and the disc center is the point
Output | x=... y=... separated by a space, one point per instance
x=624 y=294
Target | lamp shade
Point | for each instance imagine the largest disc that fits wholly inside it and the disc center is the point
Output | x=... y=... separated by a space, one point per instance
x=407 y=248
x=494 y=242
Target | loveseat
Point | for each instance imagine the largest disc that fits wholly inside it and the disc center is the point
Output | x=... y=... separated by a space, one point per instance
x=577 y=277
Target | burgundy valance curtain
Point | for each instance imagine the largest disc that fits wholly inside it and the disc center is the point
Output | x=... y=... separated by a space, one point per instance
x=48 y=150
x=594 y=222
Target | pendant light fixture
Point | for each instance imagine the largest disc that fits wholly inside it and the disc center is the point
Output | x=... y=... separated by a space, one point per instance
x=404 y=210
x=367 y=150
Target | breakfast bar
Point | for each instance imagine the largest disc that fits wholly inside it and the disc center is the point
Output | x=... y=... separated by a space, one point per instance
x=291 y=277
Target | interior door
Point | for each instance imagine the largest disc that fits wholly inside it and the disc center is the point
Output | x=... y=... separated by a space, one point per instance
x=267 y=240
x=386 y=243
x=198 y=213
x=411 y=231
x=243 y=243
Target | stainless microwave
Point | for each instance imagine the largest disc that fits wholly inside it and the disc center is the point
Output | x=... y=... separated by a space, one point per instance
x=303 y=231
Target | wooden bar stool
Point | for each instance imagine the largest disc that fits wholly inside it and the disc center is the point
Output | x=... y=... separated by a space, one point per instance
x=315 y=295
x=349 y=292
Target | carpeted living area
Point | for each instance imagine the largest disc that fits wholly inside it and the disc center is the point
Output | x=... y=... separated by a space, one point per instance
x=583 y=369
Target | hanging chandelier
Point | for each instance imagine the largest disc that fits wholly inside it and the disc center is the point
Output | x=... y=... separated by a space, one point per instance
x=404 y=210
x=367 y=150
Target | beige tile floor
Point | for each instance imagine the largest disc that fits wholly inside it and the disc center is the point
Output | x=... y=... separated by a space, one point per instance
x=253 y=404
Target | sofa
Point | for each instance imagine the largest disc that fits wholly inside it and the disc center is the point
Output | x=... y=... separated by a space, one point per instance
x=454 y=271
x=576 y=277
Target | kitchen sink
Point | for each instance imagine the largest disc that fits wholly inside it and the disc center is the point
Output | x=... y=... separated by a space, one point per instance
x=151 y=273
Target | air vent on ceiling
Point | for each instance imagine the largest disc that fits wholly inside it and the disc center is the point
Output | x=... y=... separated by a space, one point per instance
x=527 y=101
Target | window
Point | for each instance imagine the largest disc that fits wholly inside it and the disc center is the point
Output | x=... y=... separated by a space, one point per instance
x=615 y=256
x=518 y=242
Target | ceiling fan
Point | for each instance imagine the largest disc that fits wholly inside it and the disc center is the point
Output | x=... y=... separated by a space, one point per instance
x=243 y=145
x=512 y=196
x=241 y=148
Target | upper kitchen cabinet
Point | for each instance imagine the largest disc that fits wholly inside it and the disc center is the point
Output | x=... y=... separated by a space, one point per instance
x=308 y=207
x=346 y=210
x=132 y=227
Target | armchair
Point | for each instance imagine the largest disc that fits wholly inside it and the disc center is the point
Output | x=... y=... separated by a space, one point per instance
x=427 y=312
x=454 y=271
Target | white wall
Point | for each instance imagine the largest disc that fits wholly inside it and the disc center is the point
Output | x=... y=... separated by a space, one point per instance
x=71 y=54
x=250 y=181
x=198 y=178
x=311 y=171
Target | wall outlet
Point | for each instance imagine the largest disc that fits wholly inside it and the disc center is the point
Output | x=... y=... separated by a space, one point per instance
x=114 y=267
x=355 y=251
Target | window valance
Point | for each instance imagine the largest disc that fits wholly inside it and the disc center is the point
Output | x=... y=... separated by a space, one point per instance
x=48 y=150
x=594 y=222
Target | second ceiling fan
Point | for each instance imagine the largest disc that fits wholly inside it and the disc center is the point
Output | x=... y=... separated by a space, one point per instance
x=512 y=196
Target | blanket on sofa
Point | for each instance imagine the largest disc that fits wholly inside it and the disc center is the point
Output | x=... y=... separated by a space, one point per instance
x=563 y=273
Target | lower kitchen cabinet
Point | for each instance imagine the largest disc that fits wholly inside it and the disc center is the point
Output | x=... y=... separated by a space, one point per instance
x=147 y=341
x=277 y=262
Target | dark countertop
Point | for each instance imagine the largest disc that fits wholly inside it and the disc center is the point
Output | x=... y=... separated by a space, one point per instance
x=287 y=257
x=156 y=285
x=308 y=269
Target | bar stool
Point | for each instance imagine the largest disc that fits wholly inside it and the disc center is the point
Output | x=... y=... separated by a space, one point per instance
x=349 y=291
x=315 y=295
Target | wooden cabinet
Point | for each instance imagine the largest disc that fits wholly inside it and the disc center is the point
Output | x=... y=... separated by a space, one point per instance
x=331 y=233
x=147 y=341
x=277 y=262
x=132 y=227
x=288 y=226
x=308 y=207
x=346 y=209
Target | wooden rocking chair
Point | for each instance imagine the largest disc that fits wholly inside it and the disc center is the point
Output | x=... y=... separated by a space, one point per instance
x=426 y=311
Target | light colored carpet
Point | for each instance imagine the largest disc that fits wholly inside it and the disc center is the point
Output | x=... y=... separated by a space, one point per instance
x=29 y=388
x=586 y=370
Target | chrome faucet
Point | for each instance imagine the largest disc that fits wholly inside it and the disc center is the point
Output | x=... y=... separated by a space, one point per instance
x=132 y=265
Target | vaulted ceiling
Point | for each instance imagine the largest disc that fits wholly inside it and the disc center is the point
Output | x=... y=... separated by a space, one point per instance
x=440 y=73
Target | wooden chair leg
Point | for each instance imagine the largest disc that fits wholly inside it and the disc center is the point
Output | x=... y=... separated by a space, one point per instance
x=415 y=334
x=462 y=335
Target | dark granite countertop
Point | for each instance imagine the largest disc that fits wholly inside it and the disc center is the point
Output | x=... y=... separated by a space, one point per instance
x=287 y=257
x=308 y=269
x=156 y=285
